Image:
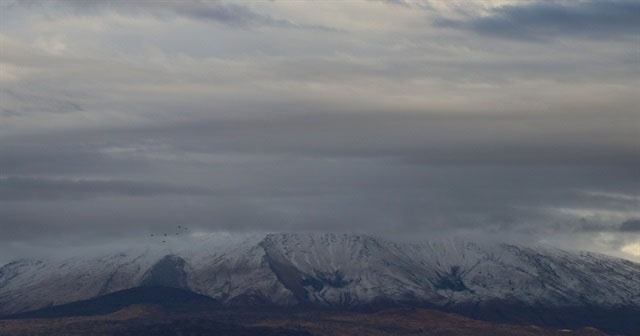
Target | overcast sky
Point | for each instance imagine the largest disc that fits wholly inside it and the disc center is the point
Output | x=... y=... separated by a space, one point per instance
x=516 y=120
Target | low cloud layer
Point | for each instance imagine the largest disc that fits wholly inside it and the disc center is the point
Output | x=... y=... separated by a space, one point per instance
x=503 y=120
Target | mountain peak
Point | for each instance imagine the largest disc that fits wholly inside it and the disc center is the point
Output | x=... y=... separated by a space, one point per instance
x=333 y=270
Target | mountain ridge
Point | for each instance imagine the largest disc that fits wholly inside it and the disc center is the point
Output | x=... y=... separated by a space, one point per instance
x=337 y=271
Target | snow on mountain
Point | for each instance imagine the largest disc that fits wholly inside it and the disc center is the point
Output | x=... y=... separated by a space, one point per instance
x=330 y=270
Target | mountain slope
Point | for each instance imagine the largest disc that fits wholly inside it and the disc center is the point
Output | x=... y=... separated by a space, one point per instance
x=352 y=270
x=339 y=270
x=172 y=299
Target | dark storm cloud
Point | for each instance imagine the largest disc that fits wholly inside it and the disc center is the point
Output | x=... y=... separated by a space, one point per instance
x=122 y=119
x=30 y=188
x=632 y=225
x=542 y=20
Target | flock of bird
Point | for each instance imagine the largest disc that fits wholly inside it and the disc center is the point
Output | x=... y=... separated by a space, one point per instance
x=180 y=229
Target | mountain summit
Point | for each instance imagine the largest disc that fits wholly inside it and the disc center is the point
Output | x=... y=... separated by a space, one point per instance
x=340 y=271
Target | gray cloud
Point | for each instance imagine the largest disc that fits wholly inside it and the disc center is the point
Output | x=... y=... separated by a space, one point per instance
x=236 y=15
x=30 y=188
x=412 y=139
x=415 y=138
x=121 y=119
x=542 y=20
x=22 y=102
x=632 y=225
x=231 y=14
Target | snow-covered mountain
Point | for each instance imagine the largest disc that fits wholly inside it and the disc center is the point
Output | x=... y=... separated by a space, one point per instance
x=331 y=270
